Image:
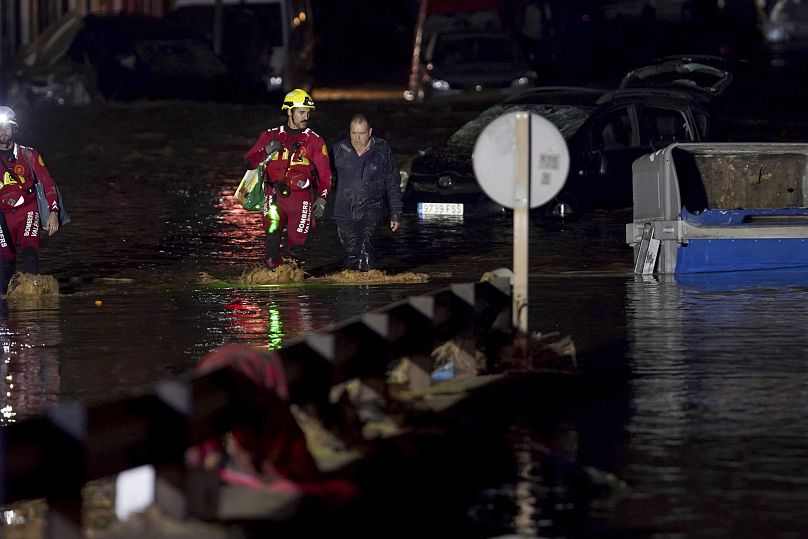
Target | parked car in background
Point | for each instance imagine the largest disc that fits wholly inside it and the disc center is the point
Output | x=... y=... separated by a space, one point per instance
x=605 y=133
x=43 y=72
x=245 y=47
x=268 y=45
x=785 y=33
x=457 y=64
x=732 y=85
x=118 y=57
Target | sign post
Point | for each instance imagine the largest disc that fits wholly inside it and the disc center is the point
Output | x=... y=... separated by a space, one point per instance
x=521 y=161
x=521 y=219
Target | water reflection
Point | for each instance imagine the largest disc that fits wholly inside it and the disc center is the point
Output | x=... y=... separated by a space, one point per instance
x=443 y=220
x=29 y=372
x=719 y=385
x=237 y=236
x=268 y=321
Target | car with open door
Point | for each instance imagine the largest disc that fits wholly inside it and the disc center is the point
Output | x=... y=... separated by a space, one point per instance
x=605 y=132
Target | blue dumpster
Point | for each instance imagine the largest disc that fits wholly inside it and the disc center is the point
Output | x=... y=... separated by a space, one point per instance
x=707 y=207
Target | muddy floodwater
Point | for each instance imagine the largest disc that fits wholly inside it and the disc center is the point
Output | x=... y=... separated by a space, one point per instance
x=702 y=408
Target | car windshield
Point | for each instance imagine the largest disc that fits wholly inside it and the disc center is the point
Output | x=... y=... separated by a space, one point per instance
x=464 y=49
x=566 y=118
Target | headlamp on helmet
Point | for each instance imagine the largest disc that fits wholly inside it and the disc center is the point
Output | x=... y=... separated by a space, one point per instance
x=8 y=117
x=297 y=98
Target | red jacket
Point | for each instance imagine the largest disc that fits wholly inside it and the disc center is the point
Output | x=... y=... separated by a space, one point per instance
x=18 y=189
x=303 y=167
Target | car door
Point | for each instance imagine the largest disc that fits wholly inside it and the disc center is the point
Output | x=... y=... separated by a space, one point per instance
x=615 y=143
x=662 y=125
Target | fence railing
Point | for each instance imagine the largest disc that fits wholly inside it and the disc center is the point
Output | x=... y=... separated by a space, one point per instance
x=54 y=455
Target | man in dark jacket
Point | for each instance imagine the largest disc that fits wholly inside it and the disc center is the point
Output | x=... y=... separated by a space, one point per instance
x=367 y=179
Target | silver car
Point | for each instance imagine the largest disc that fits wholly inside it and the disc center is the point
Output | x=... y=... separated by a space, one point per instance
x=455 y=64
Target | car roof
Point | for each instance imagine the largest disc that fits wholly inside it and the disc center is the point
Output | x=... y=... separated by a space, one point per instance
x=557 y=95
x=671 y=95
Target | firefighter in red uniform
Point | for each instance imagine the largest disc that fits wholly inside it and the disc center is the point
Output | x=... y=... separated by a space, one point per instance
x=22 y=167
x=297 y=177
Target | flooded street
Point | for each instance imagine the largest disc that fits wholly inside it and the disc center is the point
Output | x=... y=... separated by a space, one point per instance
x=701 y=407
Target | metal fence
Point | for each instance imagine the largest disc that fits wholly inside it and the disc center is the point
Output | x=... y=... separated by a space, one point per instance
x=54 y=455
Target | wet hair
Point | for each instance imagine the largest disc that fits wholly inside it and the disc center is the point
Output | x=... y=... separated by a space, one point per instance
x=360 y=118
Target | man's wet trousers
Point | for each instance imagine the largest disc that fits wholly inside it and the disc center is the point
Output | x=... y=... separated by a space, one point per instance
x=356 y=237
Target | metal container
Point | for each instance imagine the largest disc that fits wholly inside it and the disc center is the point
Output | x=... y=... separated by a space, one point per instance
x=706 y=207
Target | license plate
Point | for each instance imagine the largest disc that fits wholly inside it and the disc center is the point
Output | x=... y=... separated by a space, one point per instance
x=440 y=208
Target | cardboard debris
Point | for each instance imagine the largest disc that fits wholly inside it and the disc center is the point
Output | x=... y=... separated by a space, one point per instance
x=288 y=272
x=373 y=276
x=29 y=284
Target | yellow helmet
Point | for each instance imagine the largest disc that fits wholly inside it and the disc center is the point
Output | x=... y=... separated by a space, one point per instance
x=297 y=98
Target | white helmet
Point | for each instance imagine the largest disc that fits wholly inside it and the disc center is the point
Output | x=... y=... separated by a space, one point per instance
x=8 y=116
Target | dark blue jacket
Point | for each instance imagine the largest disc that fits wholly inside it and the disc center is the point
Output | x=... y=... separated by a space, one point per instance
x=365 y=184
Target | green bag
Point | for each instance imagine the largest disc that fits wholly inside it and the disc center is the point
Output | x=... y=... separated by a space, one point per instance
x=250 y=192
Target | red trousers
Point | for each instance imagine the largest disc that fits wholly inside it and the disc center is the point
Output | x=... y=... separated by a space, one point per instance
x=292 y=213
x=24 y=229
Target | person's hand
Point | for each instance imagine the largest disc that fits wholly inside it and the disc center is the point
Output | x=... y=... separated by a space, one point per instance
x=318 y=209
x=394 y=225
x=52 y=224
x=273 y=147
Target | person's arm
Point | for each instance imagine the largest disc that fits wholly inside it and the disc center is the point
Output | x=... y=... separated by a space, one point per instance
x=392 y=185
x=49 y=187
x=319 y=156
x=332 y=163
x=257 y=153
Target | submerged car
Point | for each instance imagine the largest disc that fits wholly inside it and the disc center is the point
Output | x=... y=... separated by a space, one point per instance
x=605 y=133
x=121 y=57
x=456 y=64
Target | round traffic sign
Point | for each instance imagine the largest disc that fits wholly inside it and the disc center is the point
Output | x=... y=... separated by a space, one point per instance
x=495 y=155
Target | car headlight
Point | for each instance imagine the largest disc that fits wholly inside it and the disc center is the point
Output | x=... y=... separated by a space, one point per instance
x=775 y=33
x=527 y=79
x=273 y=82
x=440 y=85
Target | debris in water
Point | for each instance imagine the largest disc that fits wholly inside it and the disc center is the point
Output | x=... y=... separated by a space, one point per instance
x=30 y=284
x=115 y=280
x=536 y=351
x=373 y=276
x=287 y=272
x=205 y=277
x=497 y=273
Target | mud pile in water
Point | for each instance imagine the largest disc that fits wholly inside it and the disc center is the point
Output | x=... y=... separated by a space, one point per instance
x=30 y=284
x=288 y=272
x=373 y=276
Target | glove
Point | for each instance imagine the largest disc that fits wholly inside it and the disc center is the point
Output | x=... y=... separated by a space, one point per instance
x=318 y=209
x=273 y=147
